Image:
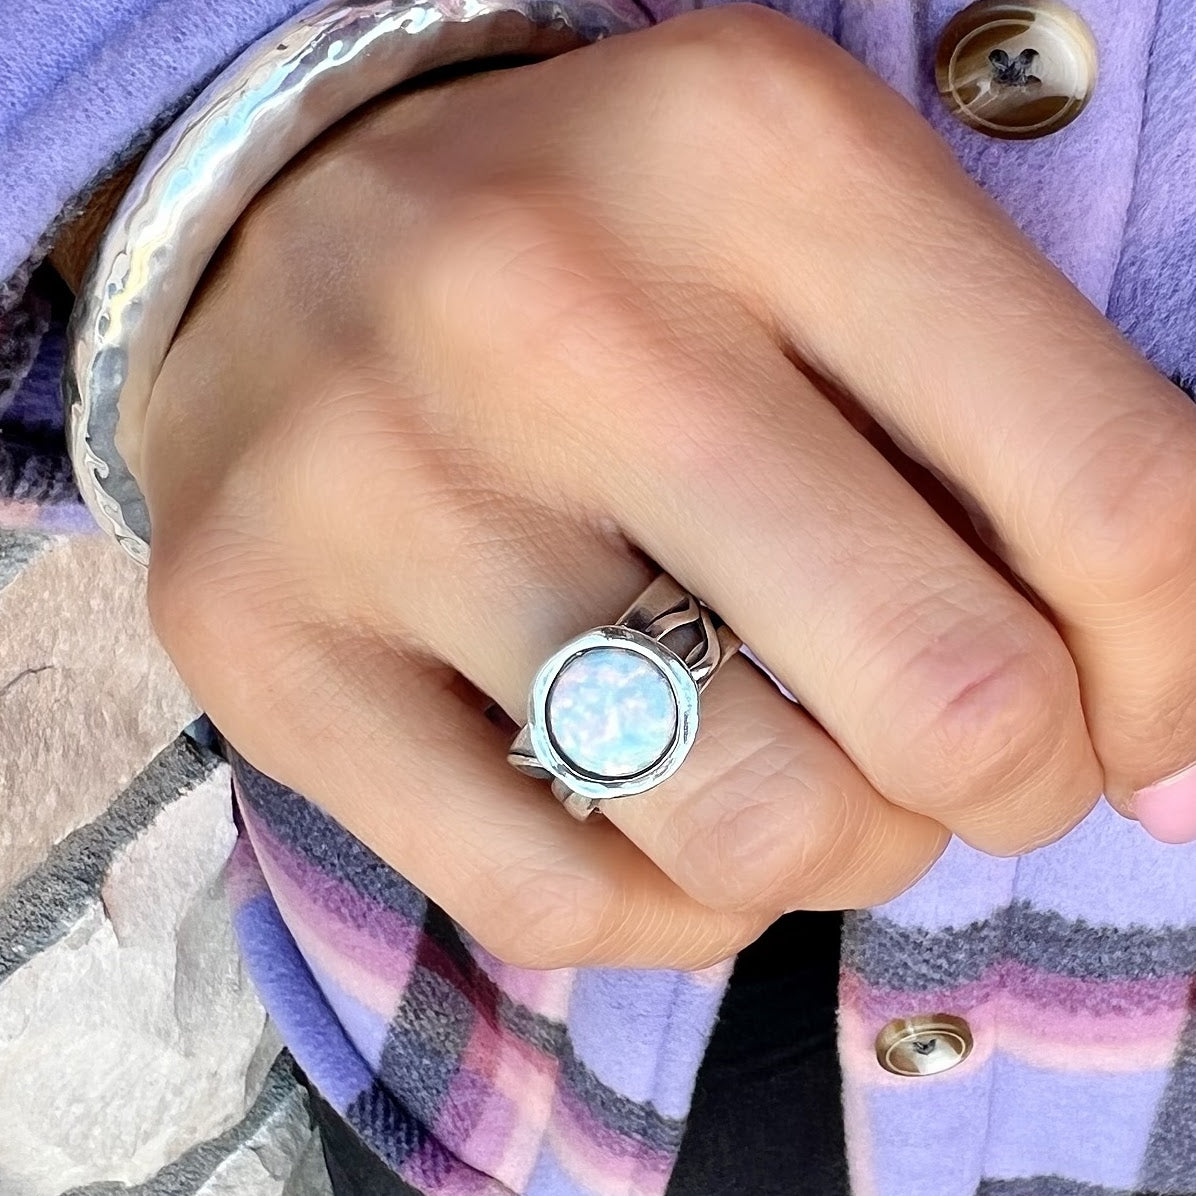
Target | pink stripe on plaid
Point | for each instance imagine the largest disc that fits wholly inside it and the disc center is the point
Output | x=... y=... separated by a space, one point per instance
x=51 y=518
x=372 y=962
x=507 y=1085
x=1130 y=998
x=503 y=1102
x=20 y=516
x=433 y=1173
x=601 y=1161
x=243 y=879
x=546 y=993
x=1035 y=1034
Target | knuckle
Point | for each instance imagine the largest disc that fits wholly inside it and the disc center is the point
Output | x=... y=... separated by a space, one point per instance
x=546 y=919
x=333 y=455
x=348 y=463
x=772 y=78
x=1129 y=521
x=189 y=609
x=504 y=263
x=745 y=841
x=549 y=919
x=658 y=934
x=215 y=601
x=988 y=724
x=691 y=434
x=733 y=51
x=739 y=863
x=725 y=937
x=509 y=278
x=862 y=859
x=793 y=839
x=1064 y=812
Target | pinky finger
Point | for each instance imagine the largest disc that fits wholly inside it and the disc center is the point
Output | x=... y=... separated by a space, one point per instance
x=390 y=749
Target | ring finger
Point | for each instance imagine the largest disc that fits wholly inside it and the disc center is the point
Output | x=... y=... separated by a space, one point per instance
x=766 y=814
x=713 y=454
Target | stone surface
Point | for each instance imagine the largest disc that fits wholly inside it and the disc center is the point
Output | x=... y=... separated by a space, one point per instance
x=310 y=1174
x=17 y=549
x=128 y=1029
x=134 y=1055
x=87 y=696
x=273 y=1151
x=611 y=712
x=283 y=1156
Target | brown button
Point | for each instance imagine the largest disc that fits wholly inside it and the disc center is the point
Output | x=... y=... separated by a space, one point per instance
x=923 y=1046
x=1016 y=70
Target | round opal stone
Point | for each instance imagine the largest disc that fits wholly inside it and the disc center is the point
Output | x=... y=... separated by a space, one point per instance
x=611 y=712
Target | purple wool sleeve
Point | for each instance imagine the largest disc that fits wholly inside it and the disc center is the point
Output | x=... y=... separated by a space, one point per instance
x=84 y=85
x=82 y=82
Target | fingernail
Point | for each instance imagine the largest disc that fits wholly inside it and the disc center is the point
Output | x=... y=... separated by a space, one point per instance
x=1167 y=810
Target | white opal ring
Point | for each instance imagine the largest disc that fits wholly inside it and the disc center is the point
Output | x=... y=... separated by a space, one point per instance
x=615 y=711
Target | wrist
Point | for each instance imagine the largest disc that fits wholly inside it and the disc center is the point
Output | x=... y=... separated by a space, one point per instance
x=264 y=110
x=75 y=245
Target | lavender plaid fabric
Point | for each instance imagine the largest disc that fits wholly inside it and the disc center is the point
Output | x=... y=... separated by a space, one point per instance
x=1076 y=966
x=464 y=1074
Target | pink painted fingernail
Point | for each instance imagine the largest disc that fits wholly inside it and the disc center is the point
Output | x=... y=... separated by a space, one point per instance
x=1168 y=810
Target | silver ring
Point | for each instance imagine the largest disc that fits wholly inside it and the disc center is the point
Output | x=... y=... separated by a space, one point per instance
x=614 y=712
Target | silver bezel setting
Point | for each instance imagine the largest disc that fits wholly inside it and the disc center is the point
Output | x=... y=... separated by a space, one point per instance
x=685 y=694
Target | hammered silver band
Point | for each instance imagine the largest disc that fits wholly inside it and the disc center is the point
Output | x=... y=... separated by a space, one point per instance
x=197 y=180
x=614 y=712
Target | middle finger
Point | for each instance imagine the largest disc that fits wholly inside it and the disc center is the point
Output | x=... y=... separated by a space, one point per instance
x=948 y=691
x=953 y=695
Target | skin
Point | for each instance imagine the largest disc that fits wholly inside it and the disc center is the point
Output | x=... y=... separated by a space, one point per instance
x=710 y=296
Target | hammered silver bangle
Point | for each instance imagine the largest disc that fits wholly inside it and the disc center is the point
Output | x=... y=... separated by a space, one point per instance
x=271 y=103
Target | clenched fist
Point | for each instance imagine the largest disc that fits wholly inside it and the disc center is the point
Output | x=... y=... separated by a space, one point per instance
x=707 y=298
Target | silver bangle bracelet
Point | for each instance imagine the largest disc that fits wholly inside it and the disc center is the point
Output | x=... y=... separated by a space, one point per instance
x=271 y=103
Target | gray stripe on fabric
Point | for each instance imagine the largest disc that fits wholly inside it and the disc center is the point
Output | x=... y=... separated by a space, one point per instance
x=887 y=955
x=281 y=1094
x=316 y=837
x=417 y=1026
x=425 y=1042
x=630 y=1118
x=614 y=1111
x=1171 y=1157
x=1053 y=1185
x=41 y=909
x=17 y=549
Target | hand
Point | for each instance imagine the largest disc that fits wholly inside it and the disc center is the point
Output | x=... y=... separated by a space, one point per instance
x=491 y=349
